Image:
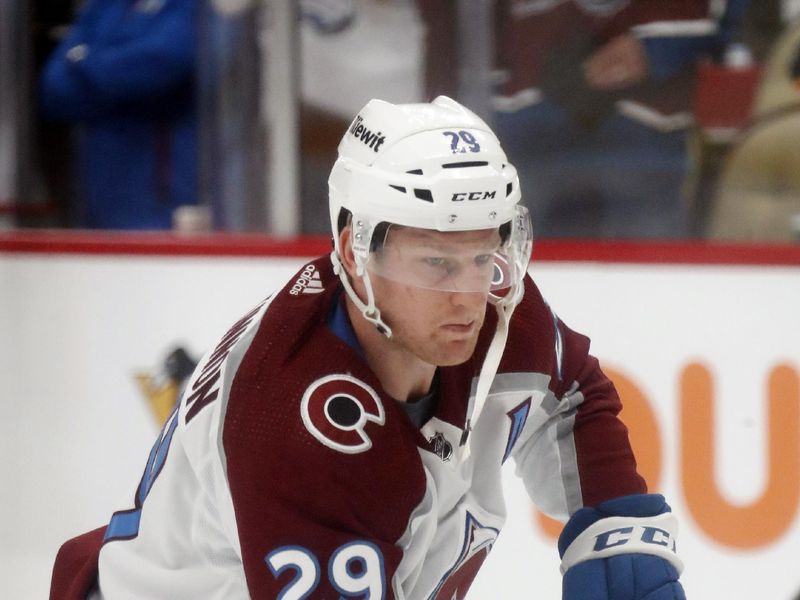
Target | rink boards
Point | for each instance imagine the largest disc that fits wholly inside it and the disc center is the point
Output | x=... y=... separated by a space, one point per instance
x=703 y=343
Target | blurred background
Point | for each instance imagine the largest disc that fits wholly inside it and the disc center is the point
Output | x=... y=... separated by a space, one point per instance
x=626 y=118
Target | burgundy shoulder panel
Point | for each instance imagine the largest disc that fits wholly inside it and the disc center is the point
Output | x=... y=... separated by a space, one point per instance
x=307 y=466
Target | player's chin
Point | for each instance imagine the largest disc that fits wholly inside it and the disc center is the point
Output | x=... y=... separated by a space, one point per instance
x=454 y=352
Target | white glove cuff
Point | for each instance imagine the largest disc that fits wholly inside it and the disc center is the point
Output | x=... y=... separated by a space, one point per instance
x=625 y=535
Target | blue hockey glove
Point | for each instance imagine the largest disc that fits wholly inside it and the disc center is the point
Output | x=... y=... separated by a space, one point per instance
x=623 y=549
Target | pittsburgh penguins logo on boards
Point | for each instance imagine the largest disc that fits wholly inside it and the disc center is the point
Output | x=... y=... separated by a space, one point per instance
x=336 y=409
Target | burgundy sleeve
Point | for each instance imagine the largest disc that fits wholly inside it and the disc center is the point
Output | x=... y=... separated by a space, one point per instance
x=75 y=568
x=605 y=460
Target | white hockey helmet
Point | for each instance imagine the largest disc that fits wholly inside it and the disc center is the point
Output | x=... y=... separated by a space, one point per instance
x=431 y=166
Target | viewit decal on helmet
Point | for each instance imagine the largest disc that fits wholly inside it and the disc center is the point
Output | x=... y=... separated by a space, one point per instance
x=361 y=132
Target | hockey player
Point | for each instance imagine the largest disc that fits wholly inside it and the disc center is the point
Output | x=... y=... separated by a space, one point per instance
x=345 y=438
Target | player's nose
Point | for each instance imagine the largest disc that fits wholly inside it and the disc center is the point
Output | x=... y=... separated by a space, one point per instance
x=471 y=300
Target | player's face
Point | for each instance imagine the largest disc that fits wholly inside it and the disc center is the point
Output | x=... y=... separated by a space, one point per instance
x=432 y=289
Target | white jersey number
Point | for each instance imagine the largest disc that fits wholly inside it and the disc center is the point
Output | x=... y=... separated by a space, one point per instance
x=355 y=570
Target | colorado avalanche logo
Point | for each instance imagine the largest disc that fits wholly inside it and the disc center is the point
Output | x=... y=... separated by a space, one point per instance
x=335 y=410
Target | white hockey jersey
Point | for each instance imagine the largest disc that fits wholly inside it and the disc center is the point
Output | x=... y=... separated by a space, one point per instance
x=287 y=472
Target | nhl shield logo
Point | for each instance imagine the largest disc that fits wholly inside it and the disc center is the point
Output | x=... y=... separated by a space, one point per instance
x=441 y=447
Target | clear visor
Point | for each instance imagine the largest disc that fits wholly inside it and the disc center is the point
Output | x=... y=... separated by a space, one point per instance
x=488 y=261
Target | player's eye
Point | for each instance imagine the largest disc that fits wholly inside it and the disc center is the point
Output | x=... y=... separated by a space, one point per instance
x=483 y=259
x=435 y=261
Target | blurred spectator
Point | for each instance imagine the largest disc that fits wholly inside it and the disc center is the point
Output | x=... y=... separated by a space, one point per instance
x=763 y=22
x=757 y=194
x=233 y=151
x=236 y=55
x=50 y=21
x=9 y=115
x=125 y=74
x=375 y=53
x=592 y=104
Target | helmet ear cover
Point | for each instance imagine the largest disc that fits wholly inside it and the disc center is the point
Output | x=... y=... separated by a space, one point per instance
x=378 y=235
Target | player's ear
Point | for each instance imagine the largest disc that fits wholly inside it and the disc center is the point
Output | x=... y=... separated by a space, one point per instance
x=346 y=252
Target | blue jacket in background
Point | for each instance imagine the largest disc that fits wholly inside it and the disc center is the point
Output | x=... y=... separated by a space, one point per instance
x=126 y=74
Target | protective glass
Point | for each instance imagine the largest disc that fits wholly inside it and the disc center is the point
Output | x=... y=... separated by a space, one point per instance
x=486 y=261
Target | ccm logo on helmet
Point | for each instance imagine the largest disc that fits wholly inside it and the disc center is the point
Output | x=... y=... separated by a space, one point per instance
x=361 y=132
x=461 y=196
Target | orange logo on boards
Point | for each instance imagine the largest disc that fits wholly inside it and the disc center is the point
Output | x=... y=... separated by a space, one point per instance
x=752 y=525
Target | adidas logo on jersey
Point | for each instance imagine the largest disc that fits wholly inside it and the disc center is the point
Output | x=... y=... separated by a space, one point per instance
x=309 y=282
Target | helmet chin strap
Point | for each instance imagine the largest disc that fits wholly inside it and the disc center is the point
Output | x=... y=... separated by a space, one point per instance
x=369 y=311
x=489 y=368
x=505 y=308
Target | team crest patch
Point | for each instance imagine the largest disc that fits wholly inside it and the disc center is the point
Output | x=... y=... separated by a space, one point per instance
x=441 y=447
x=336 y=410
